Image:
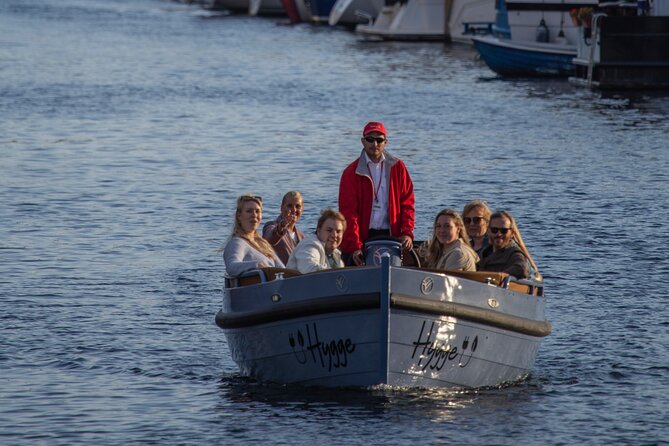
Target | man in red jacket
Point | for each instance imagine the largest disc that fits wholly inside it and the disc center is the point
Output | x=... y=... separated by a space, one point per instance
x=375 y=195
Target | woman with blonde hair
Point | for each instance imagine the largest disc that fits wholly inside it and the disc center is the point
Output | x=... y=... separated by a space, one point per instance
x=449 y=247
x=507 y=251
x=320 y=250
x=246 y=249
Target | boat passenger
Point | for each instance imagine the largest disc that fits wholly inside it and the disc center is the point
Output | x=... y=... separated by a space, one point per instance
x=449 y=247
x=375 y=195
x=246 y=249
x=507 y=252
x=282 y=233
x=476 y=216
x=320 y=251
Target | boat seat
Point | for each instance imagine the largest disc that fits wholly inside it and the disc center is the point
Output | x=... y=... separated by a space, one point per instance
x=493 y=278
x=263 y=275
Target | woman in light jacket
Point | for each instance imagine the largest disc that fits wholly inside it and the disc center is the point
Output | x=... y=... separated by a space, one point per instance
x=449 y=247
x=320 y=251
x=245 y=248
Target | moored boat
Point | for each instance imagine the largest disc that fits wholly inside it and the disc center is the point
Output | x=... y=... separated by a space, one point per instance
x=511 y=58
x=622 y=46
x=266 y=7
x=455 y=20
x=352 y=12
x=384 y=324
x=532 y=39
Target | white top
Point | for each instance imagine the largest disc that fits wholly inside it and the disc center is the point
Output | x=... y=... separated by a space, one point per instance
x=309 y=255
x=378 y=171
x=458 y=256
x=240 y=256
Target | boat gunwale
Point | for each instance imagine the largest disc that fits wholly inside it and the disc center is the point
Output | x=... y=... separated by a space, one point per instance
x=372 y=301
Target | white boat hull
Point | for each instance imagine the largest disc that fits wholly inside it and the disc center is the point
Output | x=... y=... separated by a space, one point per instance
x=352 y=12
x=266 y=7
x=427 y=20
x=382 y=325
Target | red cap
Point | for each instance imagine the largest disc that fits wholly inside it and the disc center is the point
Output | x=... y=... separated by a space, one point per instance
x=374 y=127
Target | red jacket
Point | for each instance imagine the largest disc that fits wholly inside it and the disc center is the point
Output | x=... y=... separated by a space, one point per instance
x=356 y=192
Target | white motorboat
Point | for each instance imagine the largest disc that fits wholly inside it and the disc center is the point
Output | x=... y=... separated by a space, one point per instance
x=384 y=324
x=266 y=7
x=352 y=12
x=428 y=20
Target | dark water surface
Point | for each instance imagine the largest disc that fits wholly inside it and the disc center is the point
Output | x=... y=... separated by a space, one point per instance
x=127 y=129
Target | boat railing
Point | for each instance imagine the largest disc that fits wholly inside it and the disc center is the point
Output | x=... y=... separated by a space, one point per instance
x=260 y=275
x=493 y=278
x=596 y=19
x=525 y=286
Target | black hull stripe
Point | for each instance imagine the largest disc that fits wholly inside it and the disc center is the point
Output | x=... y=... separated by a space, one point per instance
x=357 y=302
x=305 y=308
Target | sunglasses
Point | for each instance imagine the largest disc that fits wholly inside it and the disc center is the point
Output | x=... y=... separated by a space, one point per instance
x=372 y=139
x=503 y=231
x=475 y=220
x=251 y=198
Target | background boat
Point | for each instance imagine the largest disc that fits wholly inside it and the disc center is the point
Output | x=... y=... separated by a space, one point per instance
x=511 y=58
x=352 y=12
x=430 y=20
x=266 y=7
x=622 y=50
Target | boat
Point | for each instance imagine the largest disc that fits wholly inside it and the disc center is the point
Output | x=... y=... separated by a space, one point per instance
x=320 y=10
x=352 y=12
x=531 y=39
x=510 y=58
x=292 y=11
x=236 y=6
x=623 y=46
x=429 y=20
x=266 y=7
x=389 y=323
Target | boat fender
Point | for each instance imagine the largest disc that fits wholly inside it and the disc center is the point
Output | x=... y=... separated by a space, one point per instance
x=542 y=32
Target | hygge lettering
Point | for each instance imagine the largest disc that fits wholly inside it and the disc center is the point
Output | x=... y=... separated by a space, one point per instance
x=434 y=355
x=333 y=353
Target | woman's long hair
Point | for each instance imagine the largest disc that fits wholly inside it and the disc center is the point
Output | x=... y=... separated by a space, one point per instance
x=255 y=239
x=432 y=250
x=517 y=238
x=477 y=204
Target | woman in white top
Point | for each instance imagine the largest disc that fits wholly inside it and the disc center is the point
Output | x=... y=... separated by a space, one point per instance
x=246 y=249
x=320 y=250
x=449 y=247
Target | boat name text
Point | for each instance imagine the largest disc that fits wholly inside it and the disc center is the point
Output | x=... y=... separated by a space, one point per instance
x=333 y=353
x=434 y=354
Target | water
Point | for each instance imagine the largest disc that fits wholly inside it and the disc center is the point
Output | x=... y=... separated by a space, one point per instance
x=127 y=129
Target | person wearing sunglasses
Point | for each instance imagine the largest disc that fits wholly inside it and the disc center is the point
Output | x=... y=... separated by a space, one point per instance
x=476 y=215
x=320 y=251
x=246 y=249
x=507 y=252
x=376 y=196
x=282 y=233
x=449 y=247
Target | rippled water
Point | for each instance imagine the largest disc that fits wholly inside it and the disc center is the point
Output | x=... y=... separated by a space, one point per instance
x=128 y=127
